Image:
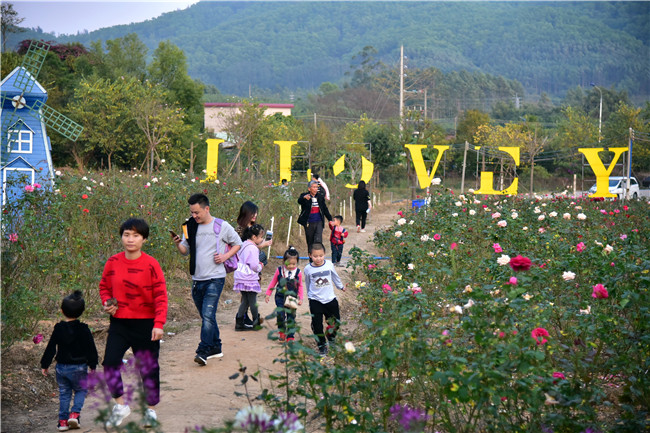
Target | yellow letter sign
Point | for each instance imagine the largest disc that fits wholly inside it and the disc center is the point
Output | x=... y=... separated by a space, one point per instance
x=213 y=156
x=602 y=173
x=487 y=177
x=285 y=158
x=367 y=169
x=418 y=162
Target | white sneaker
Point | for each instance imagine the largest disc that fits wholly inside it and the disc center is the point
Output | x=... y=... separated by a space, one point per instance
x=363 y=230
x=120 y=411
x=150 y=418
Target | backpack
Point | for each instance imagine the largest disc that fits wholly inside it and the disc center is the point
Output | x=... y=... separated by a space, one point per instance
x=231 y=263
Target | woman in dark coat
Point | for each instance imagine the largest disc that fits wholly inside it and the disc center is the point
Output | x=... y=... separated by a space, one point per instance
x=361 y=205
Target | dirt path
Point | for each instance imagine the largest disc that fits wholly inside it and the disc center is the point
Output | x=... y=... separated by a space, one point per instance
x=204 y=396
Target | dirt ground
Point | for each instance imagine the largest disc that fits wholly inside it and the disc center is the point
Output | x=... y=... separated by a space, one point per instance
x=190 y=395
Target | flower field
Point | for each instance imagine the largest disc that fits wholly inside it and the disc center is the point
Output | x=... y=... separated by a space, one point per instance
x=502 y=314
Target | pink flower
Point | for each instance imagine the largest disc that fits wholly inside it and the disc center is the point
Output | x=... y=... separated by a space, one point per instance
x=372 y=266
x=386 y=288
x=37 y=338
x=37 y=185
x=13 y=237
x=539 y=333
x=623 y=237
x=520 y=263
x=453 y=245
x=445 y=332
x=513 y=281
x=400 y=213
x=558 y=375
x=436 y=237
x=497 y=248
x=502 y=334
x=146 y=186
x=580 y=247
x=600 y=292
x=29 y=188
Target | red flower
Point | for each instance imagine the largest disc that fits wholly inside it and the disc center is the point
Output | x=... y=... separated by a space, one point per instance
x=86 y=210
x=85 y=196
x=600 y=292
x=453 y=245
x=520 y=263
x=539 y=333
x=558 y=375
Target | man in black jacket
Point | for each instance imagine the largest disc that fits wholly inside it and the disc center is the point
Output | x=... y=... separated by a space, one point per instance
x=312 y=214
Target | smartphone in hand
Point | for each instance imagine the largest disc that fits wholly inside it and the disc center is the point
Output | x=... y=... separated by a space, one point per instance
x=269 y=235
x=171 y=232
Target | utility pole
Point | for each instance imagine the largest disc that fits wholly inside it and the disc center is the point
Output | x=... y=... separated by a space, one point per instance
x=425 y=104
x=462 y=181
x=401 y=87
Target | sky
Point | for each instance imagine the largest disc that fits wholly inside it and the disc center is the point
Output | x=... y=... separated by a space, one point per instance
x=70 y=17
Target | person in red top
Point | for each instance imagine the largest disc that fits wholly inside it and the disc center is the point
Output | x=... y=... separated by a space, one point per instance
x=337 y=239
x=133 y=291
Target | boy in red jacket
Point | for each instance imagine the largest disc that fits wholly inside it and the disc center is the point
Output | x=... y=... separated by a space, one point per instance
x=134 y=293
x=337 y=239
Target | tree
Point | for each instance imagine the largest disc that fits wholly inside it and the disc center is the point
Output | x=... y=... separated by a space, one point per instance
x=124 y=57
x=469 y=123
x=161 y=123
x=241 y=125
x=364 y=66
x=9 y=21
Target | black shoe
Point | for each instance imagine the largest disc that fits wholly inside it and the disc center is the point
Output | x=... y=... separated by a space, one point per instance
x=240 y=324
x=247 y=321
x=201 y=359
x=215 y=353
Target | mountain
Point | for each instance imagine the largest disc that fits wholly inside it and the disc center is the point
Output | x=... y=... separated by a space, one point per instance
x=547 y=46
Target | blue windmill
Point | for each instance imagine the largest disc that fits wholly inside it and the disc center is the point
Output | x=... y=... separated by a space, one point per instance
x=26 y=150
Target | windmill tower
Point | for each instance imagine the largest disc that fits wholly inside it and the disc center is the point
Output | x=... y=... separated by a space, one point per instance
x=25 y=155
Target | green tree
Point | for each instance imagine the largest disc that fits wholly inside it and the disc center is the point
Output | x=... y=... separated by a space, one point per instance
x=469 y=123
x=242 y=125
x=123 y=57
x=616 y=132
x=9 y=22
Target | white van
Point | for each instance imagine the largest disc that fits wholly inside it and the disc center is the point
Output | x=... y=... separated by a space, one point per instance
x=618 y=184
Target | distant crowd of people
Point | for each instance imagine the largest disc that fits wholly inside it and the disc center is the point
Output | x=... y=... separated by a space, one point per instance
x=133 y=293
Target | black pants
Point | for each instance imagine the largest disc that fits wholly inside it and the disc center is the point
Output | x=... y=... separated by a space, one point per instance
x=248 y=300
x=136 y=334
x=361 y=217
x=332 y=317
x=337 y=253
x=313 y=234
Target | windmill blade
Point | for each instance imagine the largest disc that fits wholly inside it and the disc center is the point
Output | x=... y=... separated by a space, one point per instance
x=57 y=121
x=9 y=117
x=32 y=63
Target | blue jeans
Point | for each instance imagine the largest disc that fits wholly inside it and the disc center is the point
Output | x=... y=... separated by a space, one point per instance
x=71 y=377
x=337 y=253
x=206 y=296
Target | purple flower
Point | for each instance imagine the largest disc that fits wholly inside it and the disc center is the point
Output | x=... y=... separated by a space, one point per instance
x=410 y=419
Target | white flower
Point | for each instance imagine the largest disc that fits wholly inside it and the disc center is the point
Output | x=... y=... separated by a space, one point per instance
x=502 y=223
x=455 y=214
x=541 y=218
x=469 y=304
x=457 y=309
x=349 y=347
x=581 y=216
x=436 y=181
x=543 y=204
x=553 y=214
x=193 y=180
x=496 y=215
x=431 y=254
x=204 y=171
x=89 y=188
x=162 y=161
x=84 y=178
x=600 y=244
x=398 y=234
x=527 y=296
x=471 y=190
x=424 y=238
x=587 y=311
x=216 y=181
x=401 y=221
x=459 y=203
x=462 y=197
x=524 y=228
x=411 y=266
x=568 y=275
x=514 y=215
x=154 y=180
x=503 y=260
x=411 y=222
x=472 y=212
x=608 y=249
x=468 y=289
x=148 y=183
x=251 y=416
x=101 y=183
x=566 y=216
x=537 y=209
x=58 y=172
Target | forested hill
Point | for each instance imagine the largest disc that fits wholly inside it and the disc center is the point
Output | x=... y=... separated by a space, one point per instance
x=547 y=46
